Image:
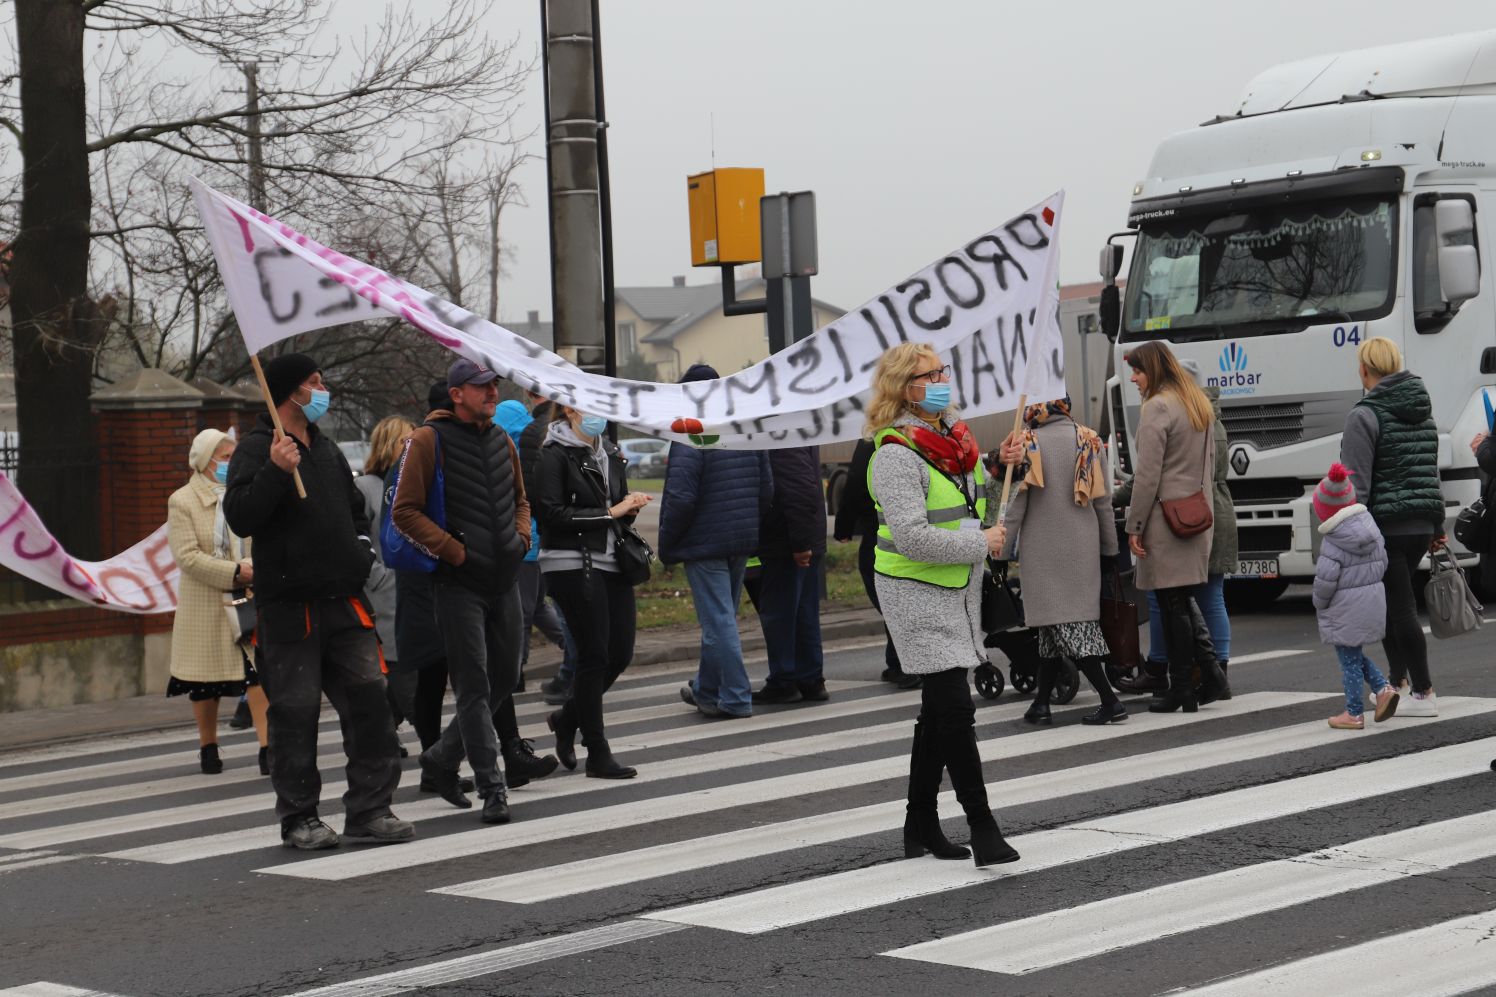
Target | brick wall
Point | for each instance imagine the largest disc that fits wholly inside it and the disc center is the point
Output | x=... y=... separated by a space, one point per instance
x=42 y=622
x=143 y=459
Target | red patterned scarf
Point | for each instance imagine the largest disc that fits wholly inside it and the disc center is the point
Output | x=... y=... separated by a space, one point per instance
x=955 y=454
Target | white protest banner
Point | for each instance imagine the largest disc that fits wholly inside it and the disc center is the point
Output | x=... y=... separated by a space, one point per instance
x=984 y=305
x=141 y=580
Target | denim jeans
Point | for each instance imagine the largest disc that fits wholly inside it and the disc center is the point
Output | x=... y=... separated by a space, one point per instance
x=1355 y=668
x=721 y=677
x=789 y=610
x=1211 y=598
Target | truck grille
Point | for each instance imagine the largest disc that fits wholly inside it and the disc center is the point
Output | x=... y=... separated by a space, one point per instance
x=1265 y=491
x=1264 y=426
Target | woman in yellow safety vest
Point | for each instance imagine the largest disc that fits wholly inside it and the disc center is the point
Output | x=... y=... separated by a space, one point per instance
x=926 y=482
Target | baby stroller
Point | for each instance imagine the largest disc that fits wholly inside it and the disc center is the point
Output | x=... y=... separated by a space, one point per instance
x=1021 y=647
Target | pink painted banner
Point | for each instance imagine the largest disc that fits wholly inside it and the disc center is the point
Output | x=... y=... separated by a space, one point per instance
x=143 y=579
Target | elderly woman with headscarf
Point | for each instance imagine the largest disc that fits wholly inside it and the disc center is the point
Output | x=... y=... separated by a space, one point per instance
x=209 y=653
x=1060 y=530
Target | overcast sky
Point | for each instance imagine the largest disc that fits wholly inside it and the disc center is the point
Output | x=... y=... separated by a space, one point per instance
x=918 y=125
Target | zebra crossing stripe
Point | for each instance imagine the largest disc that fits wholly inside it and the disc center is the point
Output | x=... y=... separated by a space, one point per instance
x=44 y=989
x=1064 y=936
x=1440 y=960
x=495 y=961
x=588 y=875
x=351 y=865
x=230 y=842
x=832 y=895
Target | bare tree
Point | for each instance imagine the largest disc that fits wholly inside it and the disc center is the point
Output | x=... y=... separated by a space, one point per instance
x=108 y=139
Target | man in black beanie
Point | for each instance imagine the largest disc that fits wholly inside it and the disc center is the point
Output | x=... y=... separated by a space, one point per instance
x=311 y=559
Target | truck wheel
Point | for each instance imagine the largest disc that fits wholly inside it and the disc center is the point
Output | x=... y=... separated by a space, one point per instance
x=1247 y=595
x=836 y=486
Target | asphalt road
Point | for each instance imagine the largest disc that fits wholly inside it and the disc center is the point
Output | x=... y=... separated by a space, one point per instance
x=1244 y=849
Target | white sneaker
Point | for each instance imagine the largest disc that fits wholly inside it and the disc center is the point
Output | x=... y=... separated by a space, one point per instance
x=1418 y=705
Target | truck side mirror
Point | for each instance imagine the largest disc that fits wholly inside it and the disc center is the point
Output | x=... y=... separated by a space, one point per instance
x=1459 y=259
x=1111 y=262
x=1111 y=311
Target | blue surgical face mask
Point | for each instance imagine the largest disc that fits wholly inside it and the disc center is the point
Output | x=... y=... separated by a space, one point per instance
x=593 y=425
x=317 y=407
x=937 y=398
x=221 y=472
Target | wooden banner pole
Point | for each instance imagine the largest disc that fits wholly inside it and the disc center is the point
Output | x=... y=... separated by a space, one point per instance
x=280 y=433
x=1002 y=509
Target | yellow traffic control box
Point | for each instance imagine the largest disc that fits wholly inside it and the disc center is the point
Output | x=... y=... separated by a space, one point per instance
x=724 y=215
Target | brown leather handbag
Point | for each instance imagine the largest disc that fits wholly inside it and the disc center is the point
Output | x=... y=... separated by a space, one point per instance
x=1194 y=514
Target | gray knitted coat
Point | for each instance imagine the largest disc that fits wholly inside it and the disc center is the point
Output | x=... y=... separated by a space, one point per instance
x=1057 y=543
x=933 y=628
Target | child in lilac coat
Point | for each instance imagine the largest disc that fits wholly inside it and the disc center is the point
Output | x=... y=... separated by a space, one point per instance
x=1348 y=594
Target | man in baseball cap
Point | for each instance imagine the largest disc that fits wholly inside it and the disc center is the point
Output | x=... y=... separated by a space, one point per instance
x=464 y=371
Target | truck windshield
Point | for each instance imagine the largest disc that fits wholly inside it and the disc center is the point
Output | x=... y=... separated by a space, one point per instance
x=1217 y=276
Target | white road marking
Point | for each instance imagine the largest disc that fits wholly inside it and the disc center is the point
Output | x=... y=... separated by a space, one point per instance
x=598 y=873
x=1452 y=957
x=876 y=886
x=1089 y=930
x=44 y=989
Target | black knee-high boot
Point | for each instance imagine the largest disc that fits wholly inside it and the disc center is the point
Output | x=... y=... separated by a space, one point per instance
x=1038 y=711
x=922 y=831
x=964 y=762
x=1111 y=709
x=1179 y=637
x=1213 y=684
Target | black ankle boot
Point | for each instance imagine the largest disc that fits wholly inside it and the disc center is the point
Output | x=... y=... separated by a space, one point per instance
x=1176 y=700
x=264 y=761
x=989 y=847
x=521 y=763
x=1038 y=713
x=922 y=834
x=207 y=758
x=566 y=739
x=602 y=765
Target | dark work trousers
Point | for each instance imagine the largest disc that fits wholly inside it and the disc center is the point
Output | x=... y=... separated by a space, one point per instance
x=947 y=720
x=538 y=613
x=599 y=609
x=431 y=692
x=309 y=649
x=483 y=646
x=789 y=610
x=866 y=551
x=1405 y=646
x=402 y=689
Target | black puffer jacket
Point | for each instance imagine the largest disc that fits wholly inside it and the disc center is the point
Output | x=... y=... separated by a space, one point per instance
x=797 y=519
x=530 y=441
x=568 y=497
x=311 y=548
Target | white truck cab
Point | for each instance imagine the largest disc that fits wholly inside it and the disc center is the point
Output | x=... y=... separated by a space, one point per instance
x=1345 y=197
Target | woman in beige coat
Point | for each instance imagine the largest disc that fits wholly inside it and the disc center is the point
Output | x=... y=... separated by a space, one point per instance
x=208 y=659
x=1172 y=460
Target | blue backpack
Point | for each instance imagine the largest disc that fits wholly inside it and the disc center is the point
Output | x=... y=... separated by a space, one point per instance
x=400 y=551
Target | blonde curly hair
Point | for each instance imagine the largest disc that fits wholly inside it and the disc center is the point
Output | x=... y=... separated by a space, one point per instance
x=384 y=444
x=896 y=368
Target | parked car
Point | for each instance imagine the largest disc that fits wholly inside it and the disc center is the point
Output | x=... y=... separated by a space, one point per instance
x=356 y=451
x=648 y=456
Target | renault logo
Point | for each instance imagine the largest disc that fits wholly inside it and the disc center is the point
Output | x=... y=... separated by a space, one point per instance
x=1240 y=461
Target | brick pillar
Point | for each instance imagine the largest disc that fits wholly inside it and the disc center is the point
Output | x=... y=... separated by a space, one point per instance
x=252 y=408
x=144 y=426
x=222 y=407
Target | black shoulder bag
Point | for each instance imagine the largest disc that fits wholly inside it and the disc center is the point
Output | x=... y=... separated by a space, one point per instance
x=632 y=552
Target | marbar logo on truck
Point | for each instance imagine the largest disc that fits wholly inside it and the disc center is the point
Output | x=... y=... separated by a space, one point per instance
x=1234 y=378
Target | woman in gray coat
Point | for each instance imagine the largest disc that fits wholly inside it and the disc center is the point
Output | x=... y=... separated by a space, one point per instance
x=1173 y=459
x=379 y=591
x=1060 y=529
x=926 y=483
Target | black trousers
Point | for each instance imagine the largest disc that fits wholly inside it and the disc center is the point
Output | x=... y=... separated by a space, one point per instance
x=599 y=609
x=866 y=551
x=431 y=693
x=309 y=649
x=947 y=728
x=1405 y=644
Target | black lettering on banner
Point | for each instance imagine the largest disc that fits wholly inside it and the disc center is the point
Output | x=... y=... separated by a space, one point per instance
x=1015 y=228
x=634 y=389
x=710 y=386
x=998 y=256
x=982 y=365
x=809 y=353
x=958 y=375
x=531 y=350
x=267 y=292
x=347 y=304
x=978 y=295
x=842 y=408
x=1012 y=348
x=737 y=382
x=605 y=402
x=883 y=344
x=558 y=392
x=893 y=316
x=445 y=313
x=834 y=334
x=920 y=296
x=808 y=433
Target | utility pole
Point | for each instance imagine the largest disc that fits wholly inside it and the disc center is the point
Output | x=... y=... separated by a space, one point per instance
x=572 y=126
x=251 y=71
